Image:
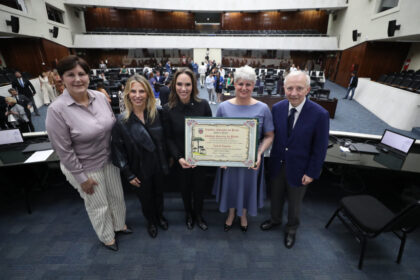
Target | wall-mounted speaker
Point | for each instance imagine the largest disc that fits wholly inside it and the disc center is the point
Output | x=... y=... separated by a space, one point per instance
x=14 y=23
x=54 y=32
x=392 y=26
x=355 y=35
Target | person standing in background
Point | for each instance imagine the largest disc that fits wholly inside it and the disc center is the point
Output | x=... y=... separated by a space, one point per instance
x=25 y=87
x=202 y=71
x=352 y=86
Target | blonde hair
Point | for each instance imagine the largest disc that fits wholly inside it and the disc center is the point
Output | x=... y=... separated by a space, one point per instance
x=151 y=100
x=11 y=100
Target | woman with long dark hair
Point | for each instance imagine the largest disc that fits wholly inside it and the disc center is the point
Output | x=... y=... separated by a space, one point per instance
x=183 y=102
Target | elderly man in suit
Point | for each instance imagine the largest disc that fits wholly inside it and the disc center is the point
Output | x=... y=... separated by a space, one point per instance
x=298 y=152
x=25 y=87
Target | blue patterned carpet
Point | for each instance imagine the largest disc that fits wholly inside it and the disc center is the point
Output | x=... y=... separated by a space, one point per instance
x=58 y=242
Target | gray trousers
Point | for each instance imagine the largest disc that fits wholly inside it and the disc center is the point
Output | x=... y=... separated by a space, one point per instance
x=280 y=191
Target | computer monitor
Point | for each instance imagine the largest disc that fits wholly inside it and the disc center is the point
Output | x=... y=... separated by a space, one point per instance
x=396 y=141
x=10 y=136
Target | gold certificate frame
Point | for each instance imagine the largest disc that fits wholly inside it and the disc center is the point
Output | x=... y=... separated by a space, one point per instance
x=229 y=142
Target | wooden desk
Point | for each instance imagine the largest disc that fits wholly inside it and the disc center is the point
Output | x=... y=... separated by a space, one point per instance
x=330 y=105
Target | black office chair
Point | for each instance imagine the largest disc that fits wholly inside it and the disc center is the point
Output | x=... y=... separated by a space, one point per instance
x=366 y=217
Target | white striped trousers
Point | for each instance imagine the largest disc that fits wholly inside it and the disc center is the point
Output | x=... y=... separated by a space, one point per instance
x=106 y=206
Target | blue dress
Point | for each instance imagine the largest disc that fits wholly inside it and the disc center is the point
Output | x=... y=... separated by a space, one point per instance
x=240 y=187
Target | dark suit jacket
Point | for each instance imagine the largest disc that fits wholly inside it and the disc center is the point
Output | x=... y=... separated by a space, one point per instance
x=353 y=82
x=24 y=101
x=28 y=89
x=160 y=79
x=305 y=150
x=164 y=95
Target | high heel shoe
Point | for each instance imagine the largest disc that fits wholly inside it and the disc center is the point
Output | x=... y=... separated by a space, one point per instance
x=244 y=228
x=112 y=247
x=227 y=227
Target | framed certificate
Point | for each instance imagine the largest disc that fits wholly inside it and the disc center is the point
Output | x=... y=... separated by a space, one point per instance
x=221 y=141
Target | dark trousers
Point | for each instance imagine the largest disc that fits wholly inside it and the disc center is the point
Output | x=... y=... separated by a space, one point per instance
x=33 y=104
x=280 y=191
x=191 y=182
x=150 y=194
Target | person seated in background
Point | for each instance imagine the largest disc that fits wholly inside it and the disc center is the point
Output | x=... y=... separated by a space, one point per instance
x=102 y=76
x=102 y=65
x=23 y=101
x=123 y=70
x=16 y=116
x=138 y=149
x=100 y=87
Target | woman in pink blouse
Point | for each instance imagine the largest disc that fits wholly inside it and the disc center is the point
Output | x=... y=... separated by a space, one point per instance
x=79 y=127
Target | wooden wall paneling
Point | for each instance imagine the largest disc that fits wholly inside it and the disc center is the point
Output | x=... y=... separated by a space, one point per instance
x=383 y=58
x=23 y=54
x=373 y=59
x=53 y=53
x=274 y=20
x=137 y=19
x=354 y=55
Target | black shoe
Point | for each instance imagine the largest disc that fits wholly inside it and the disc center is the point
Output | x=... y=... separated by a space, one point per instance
x=152 y=230
x=128 y=230
x=289 y=240
x=37 y=114
x=201 y=223
x=112 y=247
x=190 y=222
x=163 y=223
x=244 y=228
x=227 y=227
x=267 y=225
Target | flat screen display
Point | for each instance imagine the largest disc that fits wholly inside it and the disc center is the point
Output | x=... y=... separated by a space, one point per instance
x=397 y=141
x=10 y=136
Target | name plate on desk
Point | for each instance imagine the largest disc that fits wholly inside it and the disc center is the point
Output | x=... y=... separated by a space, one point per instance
x=221 y=141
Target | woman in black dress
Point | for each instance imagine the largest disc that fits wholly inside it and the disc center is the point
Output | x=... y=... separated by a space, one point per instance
x=184 y=101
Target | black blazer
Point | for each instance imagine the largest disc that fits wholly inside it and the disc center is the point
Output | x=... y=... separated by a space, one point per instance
x=353 y=83
x=139 y=149
x=174 y=123
x=28 y=89
x=164 y=95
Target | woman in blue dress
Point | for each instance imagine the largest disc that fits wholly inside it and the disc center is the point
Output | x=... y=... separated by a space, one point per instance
x=241 y=190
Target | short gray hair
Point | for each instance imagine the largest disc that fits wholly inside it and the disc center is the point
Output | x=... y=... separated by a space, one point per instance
x=297 y=73
x=245 y=73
